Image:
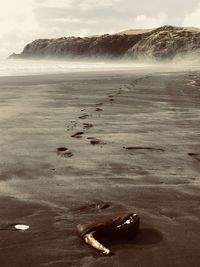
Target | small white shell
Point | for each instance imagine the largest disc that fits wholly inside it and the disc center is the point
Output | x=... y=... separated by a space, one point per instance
x=22 y=227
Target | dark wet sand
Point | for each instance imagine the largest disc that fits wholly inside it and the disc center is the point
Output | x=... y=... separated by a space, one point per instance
x=156 y=115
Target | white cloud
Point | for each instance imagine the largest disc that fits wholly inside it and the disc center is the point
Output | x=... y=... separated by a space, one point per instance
x=142 y=21
x=17 y=16
x=18 y=23
x=87 y=5
x=193 y=18
x=64 y=20
x=79 y=4
x=141 y=18
x=57 y=4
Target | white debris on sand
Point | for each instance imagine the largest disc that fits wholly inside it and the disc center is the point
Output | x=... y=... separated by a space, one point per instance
x=21 y=227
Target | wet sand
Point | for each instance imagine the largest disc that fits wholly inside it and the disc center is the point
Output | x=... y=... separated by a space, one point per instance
x=77 y=147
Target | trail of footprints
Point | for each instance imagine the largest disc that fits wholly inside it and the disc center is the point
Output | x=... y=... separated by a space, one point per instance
x=65 y=152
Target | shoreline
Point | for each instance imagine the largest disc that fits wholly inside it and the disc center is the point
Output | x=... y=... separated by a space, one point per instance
x=31 y=68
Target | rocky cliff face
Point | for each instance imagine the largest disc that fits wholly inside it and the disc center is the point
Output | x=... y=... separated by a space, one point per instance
x=105 y=45
x=165 y=43
x=161 y=43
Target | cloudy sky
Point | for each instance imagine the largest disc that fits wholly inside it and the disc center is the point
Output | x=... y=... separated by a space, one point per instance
x=22 y=21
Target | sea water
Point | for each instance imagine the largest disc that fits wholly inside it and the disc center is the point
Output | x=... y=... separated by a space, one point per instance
x=21 y=67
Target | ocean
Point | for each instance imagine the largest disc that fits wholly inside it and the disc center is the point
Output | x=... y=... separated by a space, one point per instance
x=20 y=67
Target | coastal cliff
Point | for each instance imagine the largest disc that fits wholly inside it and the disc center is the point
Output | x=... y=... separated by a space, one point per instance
x=162 y=43
x=166 y=42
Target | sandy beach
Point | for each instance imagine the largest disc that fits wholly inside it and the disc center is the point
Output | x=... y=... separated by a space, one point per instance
x=71 y=143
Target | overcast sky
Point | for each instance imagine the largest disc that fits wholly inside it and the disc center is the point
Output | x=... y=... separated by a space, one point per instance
x=22 y=21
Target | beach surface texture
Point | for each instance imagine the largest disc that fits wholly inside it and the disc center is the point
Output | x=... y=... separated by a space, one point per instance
x=81 y=147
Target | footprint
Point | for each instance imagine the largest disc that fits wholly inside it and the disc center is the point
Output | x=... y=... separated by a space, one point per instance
x=64 y=152
x=195 y=156
x=192 y=154
x=84 y=116
x=112 y=100
x=99 y=109
x=99 y=104
x=87 y=125
x=61 y=150
x=77 y=135
x=96 y=141
x=68 y=154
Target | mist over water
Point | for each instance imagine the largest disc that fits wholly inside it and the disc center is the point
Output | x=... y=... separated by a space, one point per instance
x=15 y=67
x=21 y=67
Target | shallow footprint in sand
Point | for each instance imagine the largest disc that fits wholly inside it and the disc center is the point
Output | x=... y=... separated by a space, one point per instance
x=87 y=125
x=77 y=135
x=99 y=109
x=64 y=152
x=84 y=116
x=95 y=141
x=195 y=156
x=99 y=104
x=61 y=150
x=68 y=154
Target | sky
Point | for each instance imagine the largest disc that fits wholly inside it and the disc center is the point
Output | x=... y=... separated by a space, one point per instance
x=23 y=21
